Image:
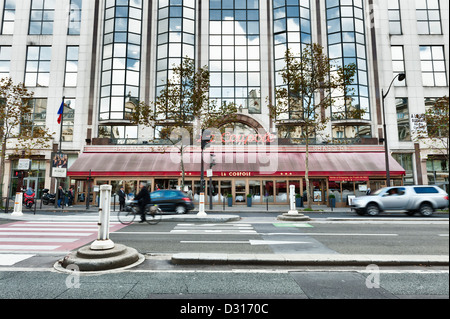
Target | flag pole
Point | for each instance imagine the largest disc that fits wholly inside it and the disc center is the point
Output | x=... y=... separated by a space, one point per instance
x=62 y=124
x=59 y=152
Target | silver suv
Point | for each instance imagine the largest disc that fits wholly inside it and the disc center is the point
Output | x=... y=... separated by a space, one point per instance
x=411 y=199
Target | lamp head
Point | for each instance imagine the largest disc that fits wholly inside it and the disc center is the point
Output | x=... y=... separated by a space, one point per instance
x=401 y=77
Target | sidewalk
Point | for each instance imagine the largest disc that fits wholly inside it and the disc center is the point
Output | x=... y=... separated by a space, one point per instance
x=280 y=209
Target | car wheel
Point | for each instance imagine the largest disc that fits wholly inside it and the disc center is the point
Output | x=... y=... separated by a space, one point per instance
x=373 y=210
x=180 y=210
x=426 y=210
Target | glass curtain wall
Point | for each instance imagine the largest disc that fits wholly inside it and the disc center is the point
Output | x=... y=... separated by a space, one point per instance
x=347 y=45
x=292 y=30
x=176 y=37
x=234 y=56
x=121 y=59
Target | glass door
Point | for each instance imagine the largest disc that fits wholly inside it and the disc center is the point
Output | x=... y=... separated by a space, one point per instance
x=240 y=190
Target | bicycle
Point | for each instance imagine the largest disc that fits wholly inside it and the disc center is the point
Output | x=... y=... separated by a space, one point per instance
x=153 y=214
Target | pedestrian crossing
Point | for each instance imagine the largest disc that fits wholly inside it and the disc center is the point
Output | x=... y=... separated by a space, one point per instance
x=44 y=236
x=223 y=229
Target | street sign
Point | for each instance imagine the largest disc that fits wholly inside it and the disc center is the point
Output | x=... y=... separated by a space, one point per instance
x=209 y=173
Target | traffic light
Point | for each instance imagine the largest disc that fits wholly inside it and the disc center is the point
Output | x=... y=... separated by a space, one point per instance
x=206 y=139
x=18 y=174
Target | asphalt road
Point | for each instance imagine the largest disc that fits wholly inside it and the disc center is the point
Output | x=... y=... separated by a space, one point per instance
x=35 y=278
x=255 y=235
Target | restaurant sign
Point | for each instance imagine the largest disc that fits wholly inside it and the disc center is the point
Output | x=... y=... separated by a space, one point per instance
x=348 y=178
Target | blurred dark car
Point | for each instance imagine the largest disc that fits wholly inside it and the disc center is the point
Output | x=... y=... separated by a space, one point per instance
x=172 y=201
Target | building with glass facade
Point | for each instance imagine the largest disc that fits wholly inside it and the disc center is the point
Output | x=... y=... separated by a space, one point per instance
x=104 y=56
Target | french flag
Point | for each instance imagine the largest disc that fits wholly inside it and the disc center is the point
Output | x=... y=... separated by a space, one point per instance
x=60 y=113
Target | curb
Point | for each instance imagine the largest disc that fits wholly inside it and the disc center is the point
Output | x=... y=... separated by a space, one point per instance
x=308 y=260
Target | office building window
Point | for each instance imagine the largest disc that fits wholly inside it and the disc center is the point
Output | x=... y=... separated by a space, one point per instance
x=69 y=118
x=37 y=70
x=121 y=63
x=71 y=75
x=42 y=17
x=347 y=45
x=119 y=134
x=75 y=17
x=35 y=122
x=428 y=17
x=433 y=66
x=404 y=129
x=234 y=53
x=395 y=20
x=9 y=17
x=398 y=63
x=5 y=61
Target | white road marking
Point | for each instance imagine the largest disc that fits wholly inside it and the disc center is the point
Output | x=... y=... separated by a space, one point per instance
x=12 y=259
x=37 y=240
x=27 y=247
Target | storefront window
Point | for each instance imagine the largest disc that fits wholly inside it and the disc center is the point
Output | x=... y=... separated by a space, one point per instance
x=360 y=188
x=281 y=191
x=335 y=189
x=34 y=178
x=131 y=188
x=268 y=191
x=347 y=190
x=225 y=189
x=255 y=191
x=215 y=191
x=437 y=171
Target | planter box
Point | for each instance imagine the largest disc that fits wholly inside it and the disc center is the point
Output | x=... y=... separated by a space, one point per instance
x=230 y=201
x=249 y=202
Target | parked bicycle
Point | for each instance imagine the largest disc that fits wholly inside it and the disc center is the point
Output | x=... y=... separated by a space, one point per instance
x=127 y=217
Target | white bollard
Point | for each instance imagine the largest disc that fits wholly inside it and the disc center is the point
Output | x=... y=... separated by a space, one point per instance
x=201 y=208
x=103 y=242
x=18 y=205
x=293 y=210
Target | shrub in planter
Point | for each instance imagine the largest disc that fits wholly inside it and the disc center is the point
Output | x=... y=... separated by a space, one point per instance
x=298 y=201
x=332 y=201
x=230 y=200
x=249 y=200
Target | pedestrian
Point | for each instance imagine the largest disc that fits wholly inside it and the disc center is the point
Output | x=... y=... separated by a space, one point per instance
x=70 y=197
x=61 y=196
x=122 y=197
x=143 y=199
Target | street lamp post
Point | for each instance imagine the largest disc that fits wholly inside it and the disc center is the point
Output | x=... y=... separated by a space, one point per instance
x=401 y=77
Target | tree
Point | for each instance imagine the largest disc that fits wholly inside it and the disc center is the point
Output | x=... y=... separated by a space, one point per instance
x=311 y=85
x=183 y=108
x=435 y=134
x=15 y=125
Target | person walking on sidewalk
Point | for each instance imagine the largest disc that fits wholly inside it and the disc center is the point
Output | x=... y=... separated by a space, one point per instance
x=122 y=197
x=61 y=196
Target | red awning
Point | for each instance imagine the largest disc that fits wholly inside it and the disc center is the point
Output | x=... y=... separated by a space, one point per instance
x=344 y=165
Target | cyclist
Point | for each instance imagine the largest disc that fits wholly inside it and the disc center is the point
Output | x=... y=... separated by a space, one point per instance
x=143 y=199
